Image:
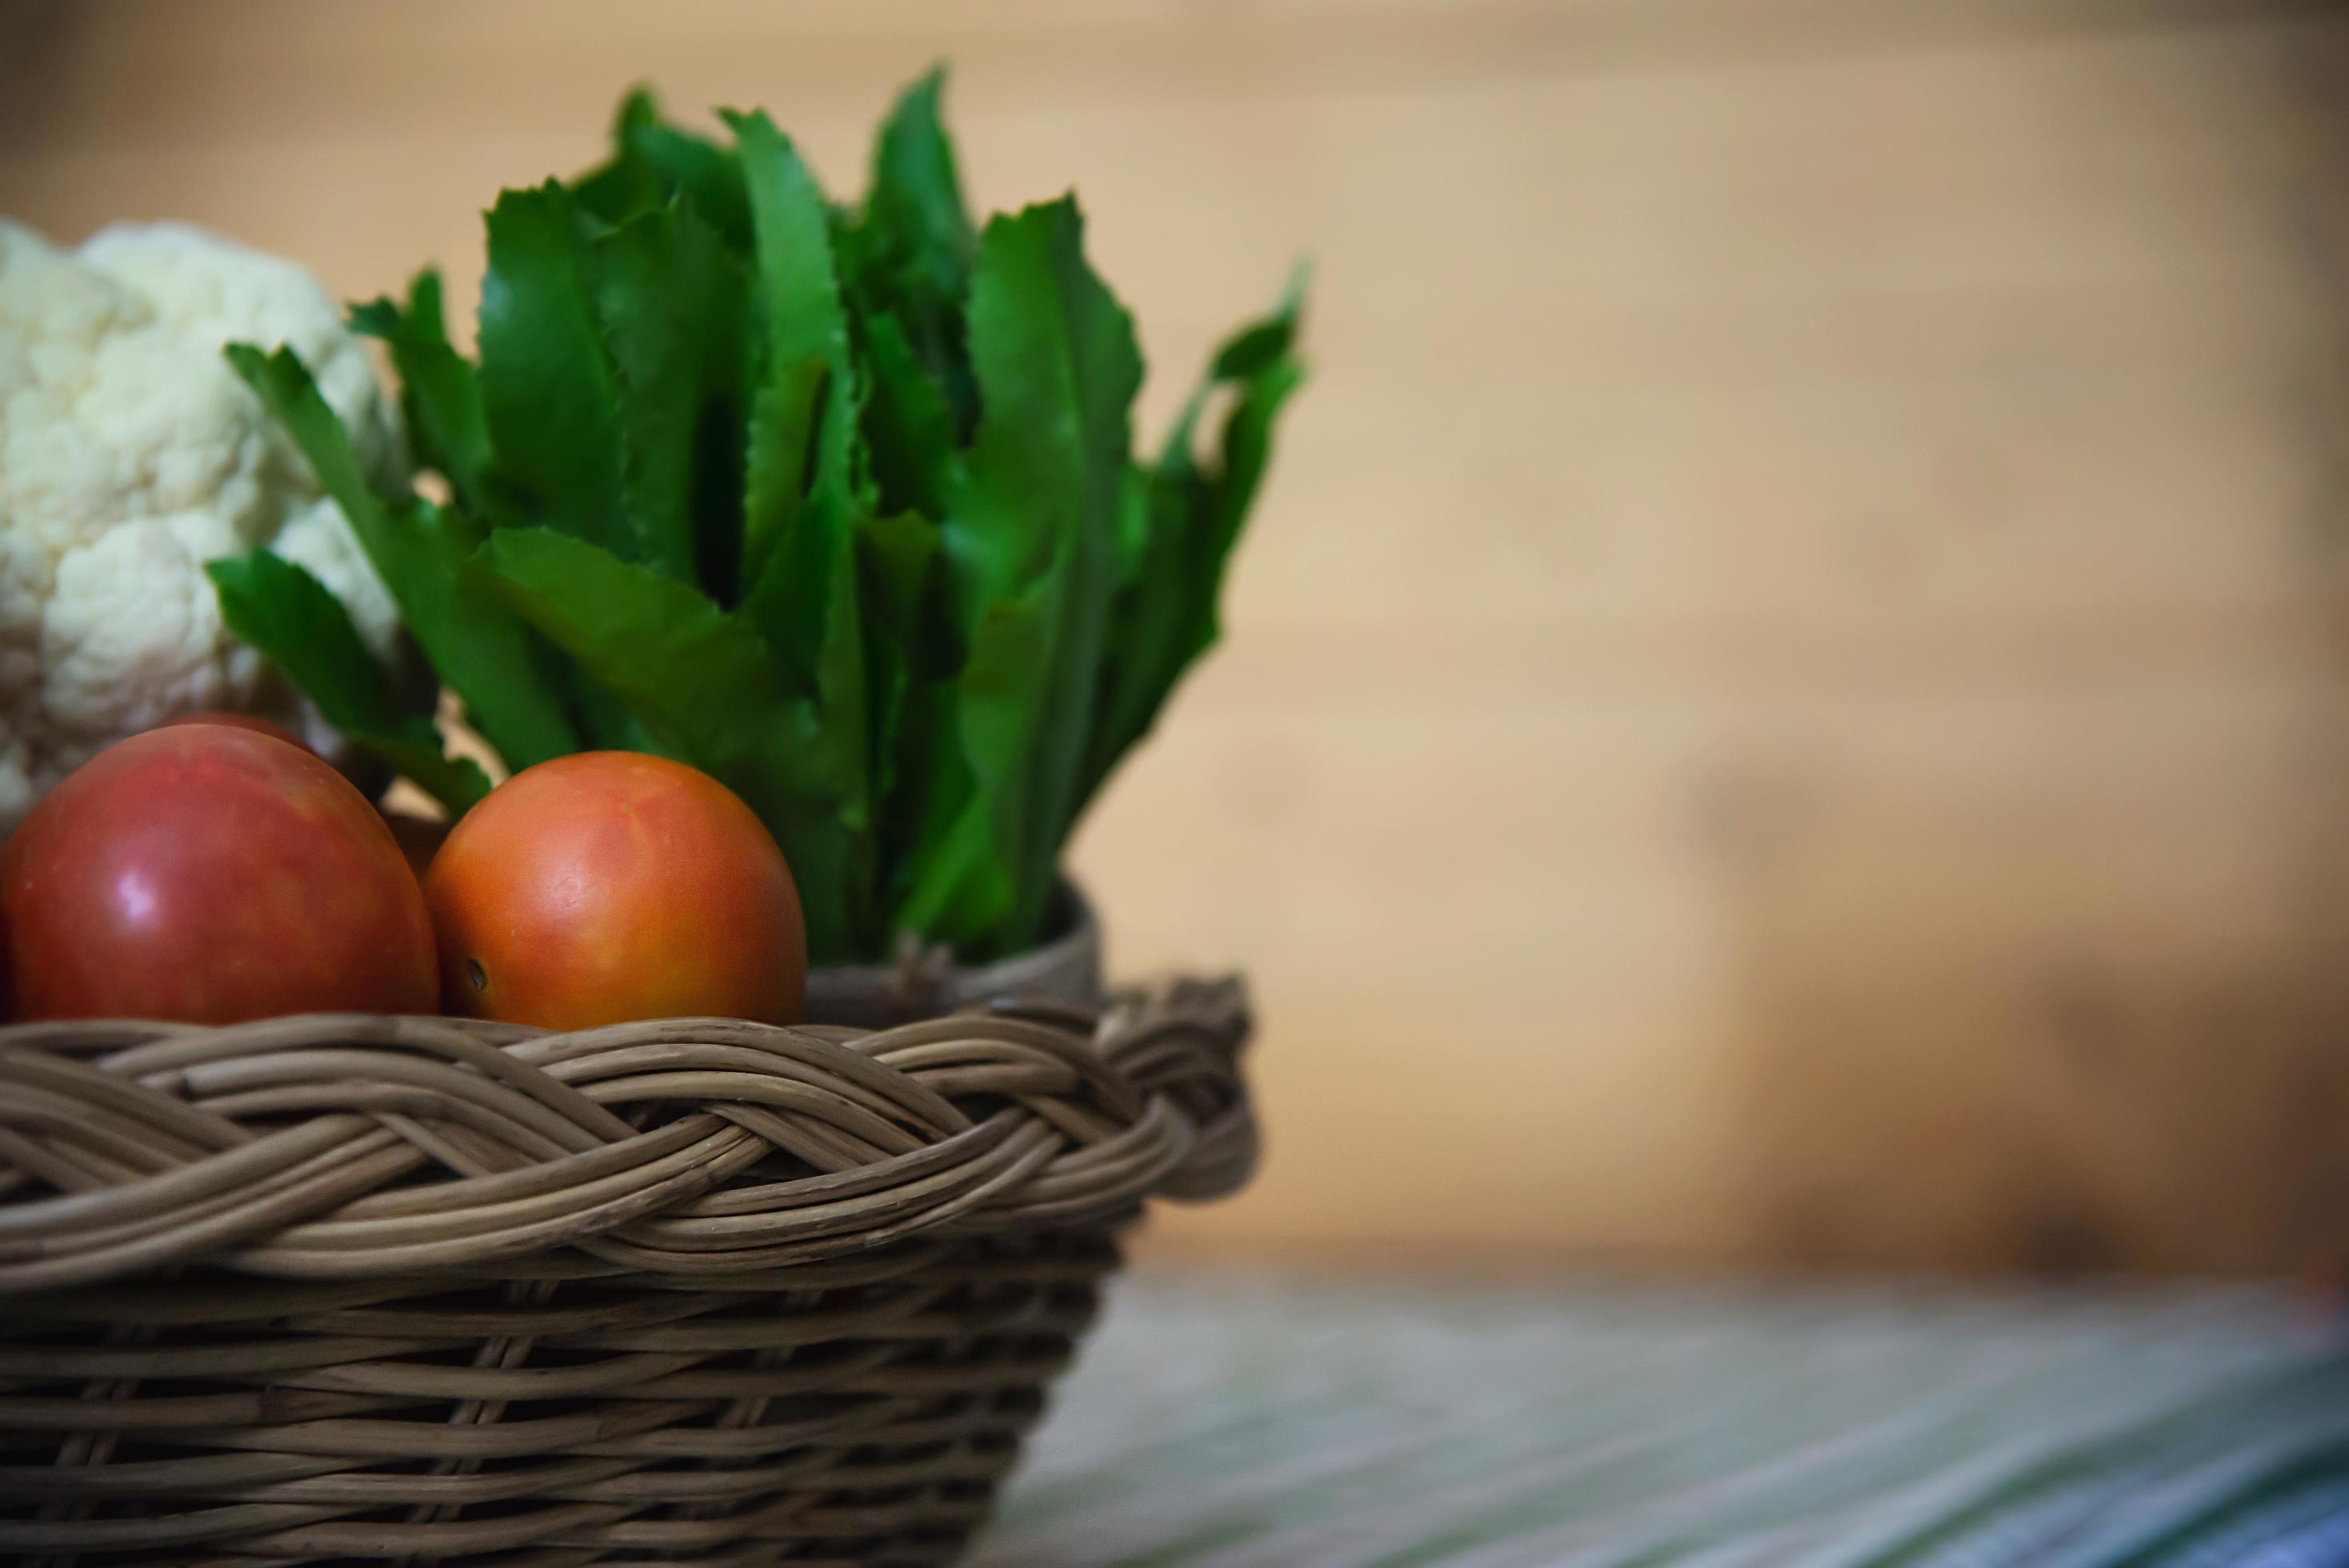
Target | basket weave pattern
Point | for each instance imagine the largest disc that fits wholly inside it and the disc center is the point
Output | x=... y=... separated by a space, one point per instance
x=421 y=1290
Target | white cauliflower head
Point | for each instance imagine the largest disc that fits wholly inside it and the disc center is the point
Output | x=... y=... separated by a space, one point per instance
x=130 y=456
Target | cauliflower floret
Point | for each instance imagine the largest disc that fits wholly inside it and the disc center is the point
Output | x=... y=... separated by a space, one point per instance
x=130 y=455
x=208 y=291
x=133 y=632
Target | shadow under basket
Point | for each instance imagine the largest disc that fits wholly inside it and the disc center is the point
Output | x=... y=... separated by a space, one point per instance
x=420 y=1290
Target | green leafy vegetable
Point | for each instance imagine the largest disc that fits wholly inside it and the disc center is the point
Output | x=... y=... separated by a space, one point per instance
x=1031 y=533
x=670 y=300
x=838 y=502
x=439 y=394
x=547 y=381
x=293 y=620
x=911 y=256
x=483 y=654
x=1171 y=575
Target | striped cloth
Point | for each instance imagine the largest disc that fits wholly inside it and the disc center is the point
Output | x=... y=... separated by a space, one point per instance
x=1244 y=1422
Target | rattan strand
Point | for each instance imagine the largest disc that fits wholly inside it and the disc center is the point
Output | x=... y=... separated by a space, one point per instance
x=422 y=1290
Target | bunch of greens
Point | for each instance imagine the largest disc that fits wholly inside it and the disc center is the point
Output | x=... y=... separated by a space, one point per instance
x=836 y=503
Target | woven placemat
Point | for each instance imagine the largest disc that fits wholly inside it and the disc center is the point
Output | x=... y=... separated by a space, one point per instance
x=1238 y=1421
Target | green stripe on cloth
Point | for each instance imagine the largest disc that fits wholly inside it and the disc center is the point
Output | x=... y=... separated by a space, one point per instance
x=1233 y=1421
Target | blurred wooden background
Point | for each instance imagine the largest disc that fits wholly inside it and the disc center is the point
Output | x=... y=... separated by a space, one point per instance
x=1787 y=702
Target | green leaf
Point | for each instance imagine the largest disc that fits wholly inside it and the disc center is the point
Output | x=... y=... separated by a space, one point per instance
x=805 y=491
x=486 y=657
x=289 y=617
x=1252 y=350
x=835 y=690
x=654 y=163
x=439 y=394
x=785 y=407
x=897 y=559
x=1032 y=537
x=706 y=685
x=900 y=557
x=1173 y=575
x=794 y=440
x=626 y=184
x=670 y=300
x=1246 y=451
x=913 y=245
x=908 y=426
x=958 y=887
x=547 y=380
x=708 y=175
x=916 y=195
x=1249 y=355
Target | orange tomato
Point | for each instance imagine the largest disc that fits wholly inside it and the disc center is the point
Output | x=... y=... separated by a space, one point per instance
x=209 y=874
x=610 y=886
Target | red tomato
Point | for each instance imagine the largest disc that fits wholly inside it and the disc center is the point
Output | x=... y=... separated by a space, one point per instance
x=209 y=875
x=610 y=886
x=251 y=721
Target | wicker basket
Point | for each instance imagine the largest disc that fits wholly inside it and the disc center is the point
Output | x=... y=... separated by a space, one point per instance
x=418 y=1290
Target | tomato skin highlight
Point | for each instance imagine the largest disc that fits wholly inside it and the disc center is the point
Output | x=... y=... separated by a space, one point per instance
x=610 y=886
x=211 y=874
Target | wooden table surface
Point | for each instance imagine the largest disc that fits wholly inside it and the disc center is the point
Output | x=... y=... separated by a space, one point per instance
x=1787 y=701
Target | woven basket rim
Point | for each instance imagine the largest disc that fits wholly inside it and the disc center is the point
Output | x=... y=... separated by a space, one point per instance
x=347 y=1146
